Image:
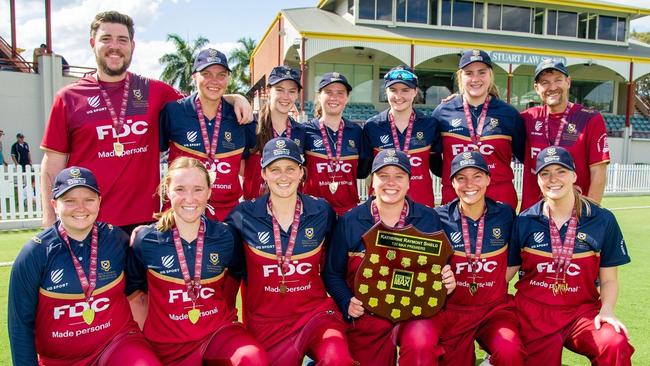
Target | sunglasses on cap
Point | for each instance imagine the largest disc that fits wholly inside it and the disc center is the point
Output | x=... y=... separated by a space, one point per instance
x=400 y=75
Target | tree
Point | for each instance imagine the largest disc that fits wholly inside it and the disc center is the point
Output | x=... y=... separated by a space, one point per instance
x=643 y=83
x=239 y=61
x=177 y=70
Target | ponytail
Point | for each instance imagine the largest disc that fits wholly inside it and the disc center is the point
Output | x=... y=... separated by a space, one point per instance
x=264 y=128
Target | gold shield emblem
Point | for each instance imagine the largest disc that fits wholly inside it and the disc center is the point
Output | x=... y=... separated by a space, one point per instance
x=309 y=233
x=228 y=136
x=106 y=265
x=280 y=144
x=571 y=128
x=419 y=135
x=581 y=236
x=214 y=258
x=351 y=143
x=496 y=232
x=494 y=122
x=137 y=93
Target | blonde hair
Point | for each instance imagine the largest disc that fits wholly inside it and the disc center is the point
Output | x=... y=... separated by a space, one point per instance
x=166 y=218
x=492 y=89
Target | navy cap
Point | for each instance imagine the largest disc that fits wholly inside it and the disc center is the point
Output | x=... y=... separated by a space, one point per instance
x=209 y=57
x=401 y=74
x=550 y=64
x=391 y=157
x=19 y=135
x=468 y=159
x=282 y=73
x=472 y=56
x=334 y=77
x=280 y=148
x=73 y=177
x=554 y=155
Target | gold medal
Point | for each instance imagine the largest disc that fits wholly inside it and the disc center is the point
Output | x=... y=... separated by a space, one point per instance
x=333 y=186
x=194 y=315
x=88 y=315
x=473 y=288
x=118 y=148
x=283 y=288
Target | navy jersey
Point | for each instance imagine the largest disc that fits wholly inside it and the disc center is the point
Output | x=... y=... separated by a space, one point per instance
x=319 y=172
x=347 y=250
x=491 y=273
x=46 y=300
x=503 y=136
x=180 y=133
x=599 y=243
x=253 y=181
x=269 y=315
x=377 y=136
x=159 y=274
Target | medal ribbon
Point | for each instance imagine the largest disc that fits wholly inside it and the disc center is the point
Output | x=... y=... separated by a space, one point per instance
x=562 y=252
x=332 y=160
x=475 y=136
x=210 y=148
x=402 y=216
x=287 y=131
x=283 y=260
x=409 y=132
x=193 y=285
x=563 y=123
x=473 y=258
x=118 y=123
x=89 y=283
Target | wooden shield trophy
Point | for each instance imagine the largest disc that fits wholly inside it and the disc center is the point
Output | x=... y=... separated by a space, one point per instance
x=400 y=277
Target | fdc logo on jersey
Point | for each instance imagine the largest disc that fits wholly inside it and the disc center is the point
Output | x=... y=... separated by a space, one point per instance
x=204 y=293
x=484 y=149
x=219 y=167
x=130 y=128
x=547 y=267
x=340 y=167
x=76 y=310
x=481 y=266
x=295 y=267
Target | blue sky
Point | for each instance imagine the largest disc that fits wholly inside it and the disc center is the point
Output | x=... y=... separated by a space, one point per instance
x=222 y=22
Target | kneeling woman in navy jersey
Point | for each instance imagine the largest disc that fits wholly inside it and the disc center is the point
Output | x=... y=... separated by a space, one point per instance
x=285 y=232
x=373 y=340
x=66 y=295
x=565 y=246
x=181 y=263
x=480 y=308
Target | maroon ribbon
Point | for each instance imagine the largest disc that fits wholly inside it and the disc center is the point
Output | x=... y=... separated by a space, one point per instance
x=473 y=258
x=332 y=159
x=88 y=284
x=563 y=252
x=283 y=260
x=193 y=285
x=475 y=136
x=210 y=148
x=118 y=123
x=409 y=132
x=402 y=216
x=563 y=123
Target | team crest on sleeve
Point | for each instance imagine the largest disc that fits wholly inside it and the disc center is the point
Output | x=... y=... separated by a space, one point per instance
x=105 y=265
x=494 y=122
x=309 y=233
x=581 y=236
x=297 y=141
x=264 y=237
x=603 y=143
x=351 y=143
x=214 y=258
x=496 y=232
x=137 y=94
x=36 y=240
x=419 y=135
x=571 y=128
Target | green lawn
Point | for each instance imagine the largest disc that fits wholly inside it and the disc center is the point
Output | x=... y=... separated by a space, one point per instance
x=633 y=304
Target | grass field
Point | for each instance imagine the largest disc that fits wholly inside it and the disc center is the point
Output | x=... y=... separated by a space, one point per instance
x=633 y=214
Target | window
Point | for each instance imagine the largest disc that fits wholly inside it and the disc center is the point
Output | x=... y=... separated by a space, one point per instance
x=446 y=12
x=598 y=95
x=593 y=19
x=582 y=25
x=433 y=9
x=494 y=17
x=400 y=14
x=384 y=10
x=463 y=14
x=567 y=23
x=538 y=26
x=607 y=28
x=620 y=32
x=376 y=10
x=551 y=22
x=478 y=15
x=516 y=19
x=367 y=9
x=412 y=11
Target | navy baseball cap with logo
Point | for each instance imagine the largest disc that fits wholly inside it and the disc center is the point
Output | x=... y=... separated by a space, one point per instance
x=73 y=177
x=554 y=155
x=471 y=56
x=401 y=74
x=209 y=57
x=334 y=77
x=280 y=148
x=391 y=157
x=282 y=73
x=550 y=64
x=468 y=159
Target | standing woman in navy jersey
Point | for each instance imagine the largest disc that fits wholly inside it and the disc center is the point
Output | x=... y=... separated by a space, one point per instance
x=565 y=247
x=274 y=121
x=285 y=233
x=332 y=147
x=401 y=127
x=374 y=340
x=67 y=301
x=181 y=261
x=478 y=120
x=480 y=308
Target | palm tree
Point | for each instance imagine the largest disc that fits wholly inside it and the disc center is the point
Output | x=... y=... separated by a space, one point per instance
x=239 y=60
x=177 y=69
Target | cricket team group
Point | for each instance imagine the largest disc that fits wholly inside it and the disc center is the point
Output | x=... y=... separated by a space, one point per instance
x=82 y=292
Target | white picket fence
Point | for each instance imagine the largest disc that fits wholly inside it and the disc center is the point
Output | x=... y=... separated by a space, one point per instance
x=18 y=201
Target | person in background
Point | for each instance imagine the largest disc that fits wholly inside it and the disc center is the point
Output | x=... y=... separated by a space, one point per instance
x=568 y=250
x=20 y=153
x=2 y=156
